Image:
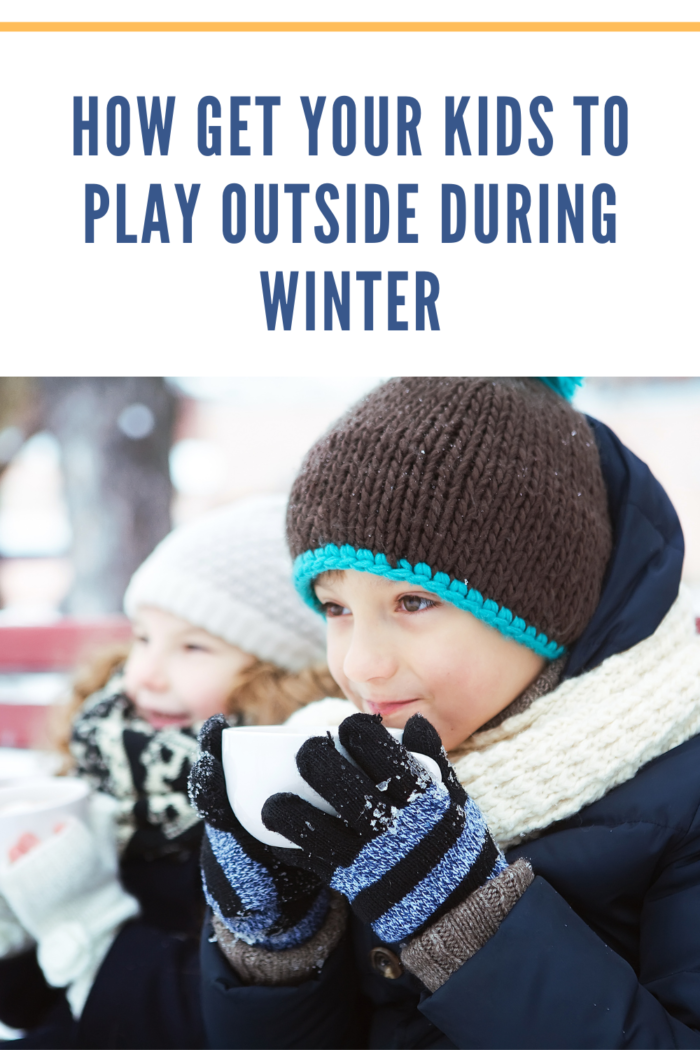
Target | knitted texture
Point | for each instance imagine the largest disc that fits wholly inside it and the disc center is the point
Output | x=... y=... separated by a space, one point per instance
x=204 y=573
x=488 y=491
x=67 y=895
x=446 y=945
x=591 y=733
x=143 y=769
x=257 y=897
x=310 y=565
x=564 y=385
x=405 y=849
x=547 y=680
x=256 y=965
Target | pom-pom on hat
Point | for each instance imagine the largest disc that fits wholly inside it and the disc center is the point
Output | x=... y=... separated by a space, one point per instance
x=486 y=492
x=202 y=571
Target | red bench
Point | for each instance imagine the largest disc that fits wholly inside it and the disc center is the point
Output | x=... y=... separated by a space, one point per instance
x=32 y=660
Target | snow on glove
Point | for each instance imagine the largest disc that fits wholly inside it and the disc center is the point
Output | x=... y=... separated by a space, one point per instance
x=407 y=849
x=258 y=897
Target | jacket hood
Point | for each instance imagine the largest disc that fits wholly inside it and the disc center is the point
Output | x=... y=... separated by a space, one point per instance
x=644 y=572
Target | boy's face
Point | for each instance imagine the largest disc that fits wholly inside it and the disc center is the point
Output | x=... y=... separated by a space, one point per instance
x=177 y=674
x=397 y=650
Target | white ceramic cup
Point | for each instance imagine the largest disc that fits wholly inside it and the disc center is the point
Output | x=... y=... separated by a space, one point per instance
x=37 y=805
x=259 y=761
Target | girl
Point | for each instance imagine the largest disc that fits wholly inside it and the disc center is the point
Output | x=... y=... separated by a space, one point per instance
x=500 y=575
x=122 y=939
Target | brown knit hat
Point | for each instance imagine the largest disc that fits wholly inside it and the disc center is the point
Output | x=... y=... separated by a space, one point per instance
x=487 y=492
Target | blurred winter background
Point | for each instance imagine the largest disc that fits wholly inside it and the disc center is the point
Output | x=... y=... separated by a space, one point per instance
x=94 y=472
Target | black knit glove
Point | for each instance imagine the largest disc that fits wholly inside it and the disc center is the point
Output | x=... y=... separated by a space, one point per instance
x=258 y=897
x=406 y=850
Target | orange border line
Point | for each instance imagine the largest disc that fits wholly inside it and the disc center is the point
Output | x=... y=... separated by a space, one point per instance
x=349 y=27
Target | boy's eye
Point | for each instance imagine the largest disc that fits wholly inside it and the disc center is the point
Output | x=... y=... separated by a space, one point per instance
x=194 y=648
x=333 y=609
x=412 y=603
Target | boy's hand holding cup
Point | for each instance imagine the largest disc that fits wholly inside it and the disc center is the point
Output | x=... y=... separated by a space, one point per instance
x=386 y=823
x=405 y=848
x=258 y=897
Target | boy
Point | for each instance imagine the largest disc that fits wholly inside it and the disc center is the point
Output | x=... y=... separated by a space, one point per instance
x=501 y=574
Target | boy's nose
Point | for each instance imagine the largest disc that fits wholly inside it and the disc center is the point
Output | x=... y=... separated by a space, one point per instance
x=369 y=657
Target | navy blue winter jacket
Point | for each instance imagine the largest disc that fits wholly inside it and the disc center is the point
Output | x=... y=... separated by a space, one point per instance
x=603 y=949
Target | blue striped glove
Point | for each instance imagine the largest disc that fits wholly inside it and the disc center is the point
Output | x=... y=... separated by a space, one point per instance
x=258 y=897
x=407 y=849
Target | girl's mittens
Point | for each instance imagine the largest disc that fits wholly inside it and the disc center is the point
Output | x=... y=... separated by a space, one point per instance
x=14 y=939
x=258 y=897
x=67 y=896
x=405 y=850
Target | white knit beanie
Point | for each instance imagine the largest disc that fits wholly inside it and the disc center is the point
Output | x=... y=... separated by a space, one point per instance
x=229 y=572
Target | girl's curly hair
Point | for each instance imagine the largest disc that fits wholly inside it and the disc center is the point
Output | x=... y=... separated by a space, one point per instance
x=262 y=694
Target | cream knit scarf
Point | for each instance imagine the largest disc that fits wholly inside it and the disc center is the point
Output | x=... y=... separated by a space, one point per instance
x=576 y=743
x=591 y=733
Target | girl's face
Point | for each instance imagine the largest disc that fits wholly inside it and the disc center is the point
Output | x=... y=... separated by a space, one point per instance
x=397 y=650
x=177 y=674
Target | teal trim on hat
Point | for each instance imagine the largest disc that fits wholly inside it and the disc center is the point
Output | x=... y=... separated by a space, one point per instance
x=309 y=565
x=564 y=385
